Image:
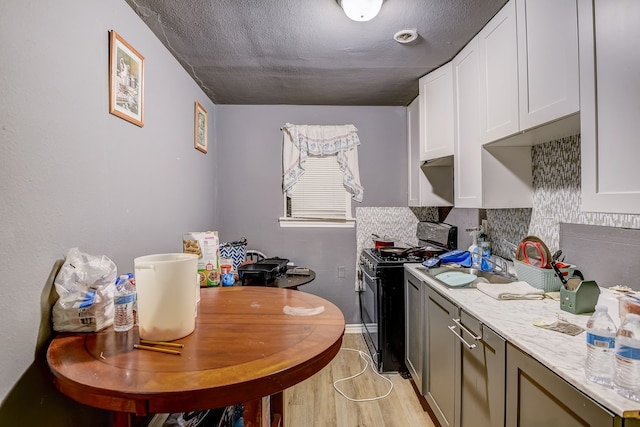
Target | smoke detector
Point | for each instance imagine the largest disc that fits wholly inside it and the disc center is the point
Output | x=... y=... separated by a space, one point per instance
x=406 y=36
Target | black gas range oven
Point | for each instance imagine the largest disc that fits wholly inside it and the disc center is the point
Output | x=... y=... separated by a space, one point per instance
x=382 y=298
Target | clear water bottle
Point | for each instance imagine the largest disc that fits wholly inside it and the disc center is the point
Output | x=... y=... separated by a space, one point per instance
x=123 y=302
x=601 y=339
x=627 y=379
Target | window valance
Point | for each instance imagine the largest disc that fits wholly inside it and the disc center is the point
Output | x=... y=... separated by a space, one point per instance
x=301 y=141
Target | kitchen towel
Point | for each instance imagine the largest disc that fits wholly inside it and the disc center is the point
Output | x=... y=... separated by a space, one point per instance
x=513 y=290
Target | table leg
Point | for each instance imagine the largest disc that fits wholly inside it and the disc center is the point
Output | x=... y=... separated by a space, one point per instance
x=126 y=419
x=277 y=409
x=258 y=412
x=253 y=413
x=121 y=419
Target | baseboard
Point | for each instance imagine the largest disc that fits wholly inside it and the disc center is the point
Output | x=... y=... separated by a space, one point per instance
x=357 y=328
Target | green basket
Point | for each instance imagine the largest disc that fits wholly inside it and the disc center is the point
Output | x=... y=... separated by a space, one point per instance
x=541 y=278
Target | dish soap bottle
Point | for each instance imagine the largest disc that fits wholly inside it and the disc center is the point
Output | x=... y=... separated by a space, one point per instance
x=484 y=248
x=476 y=257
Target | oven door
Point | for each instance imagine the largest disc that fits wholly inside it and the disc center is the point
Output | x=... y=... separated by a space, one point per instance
x=369 y=314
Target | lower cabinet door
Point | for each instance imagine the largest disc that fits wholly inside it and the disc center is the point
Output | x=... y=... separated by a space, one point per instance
x=537 y=397
x=482 y=373
x=442 y=358
x=413 y=328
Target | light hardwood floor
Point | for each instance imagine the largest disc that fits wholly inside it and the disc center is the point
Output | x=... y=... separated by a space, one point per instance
x=315 y=403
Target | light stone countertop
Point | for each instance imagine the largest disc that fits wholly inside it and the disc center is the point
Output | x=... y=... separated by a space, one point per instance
x=513 y=320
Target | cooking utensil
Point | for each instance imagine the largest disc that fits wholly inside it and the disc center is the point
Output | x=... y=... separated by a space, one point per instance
x=571 y=283
x=381 y=242
x=418 y=251
x=559 y=274
x=392 y=251
x=534 y=251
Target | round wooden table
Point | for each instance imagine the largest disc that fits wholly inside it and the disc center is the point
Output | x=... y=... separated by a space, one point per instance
x=249 y=342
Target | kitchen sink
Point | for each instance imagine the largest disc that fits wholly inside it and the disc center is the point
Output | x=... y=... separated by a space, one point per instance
x=482 y=276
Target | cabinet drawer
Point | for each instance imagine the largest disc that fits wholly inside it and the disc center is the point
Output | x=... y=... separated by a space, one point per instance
x=471 y=323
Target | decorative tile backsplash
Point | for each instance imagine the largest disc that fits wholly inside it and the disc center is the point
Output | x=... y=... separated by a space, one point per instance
x=399 y=223
x=556 y=199
x=395 y=222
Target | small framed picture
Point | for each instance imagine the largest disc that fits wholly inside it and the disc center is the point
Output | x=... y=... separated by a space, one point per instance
x=126 y=80
x=201 y=128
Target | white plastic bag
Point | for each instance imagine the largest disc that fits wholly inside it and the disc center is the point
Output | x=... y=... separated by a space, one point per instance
x=85 y=286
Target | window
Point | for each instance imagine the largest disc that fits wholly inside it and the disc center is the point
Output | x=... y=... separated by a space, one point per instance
x=320 y=198
x=320 y=175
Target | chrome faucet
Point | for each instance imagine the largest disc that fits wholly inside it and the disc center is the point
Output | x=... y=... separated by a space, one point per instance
x=500 y=266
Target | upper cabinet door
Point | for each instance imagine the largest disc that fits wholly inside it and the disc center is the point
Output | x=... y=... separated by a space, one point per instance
x=547 y=60
x=497 y=43
x=436 y=114
x=413 y=150
x=468 y=144
x=610 y=105
x=428 y=186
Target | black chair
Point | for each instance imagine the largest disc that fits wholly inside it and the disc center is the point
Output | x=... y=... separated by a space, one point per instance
x=254 y=255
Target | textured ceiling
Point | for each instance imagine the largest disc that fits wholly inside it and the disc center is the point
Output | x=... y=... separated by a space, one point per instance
x=307 y=52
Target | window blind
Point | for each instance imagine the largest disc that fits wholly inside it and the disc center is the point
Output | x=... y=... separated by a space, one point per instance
x=320 y=192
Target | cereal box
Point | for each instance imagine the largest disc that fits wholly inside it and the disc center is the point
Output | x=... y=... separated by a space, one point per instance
x=205 y=244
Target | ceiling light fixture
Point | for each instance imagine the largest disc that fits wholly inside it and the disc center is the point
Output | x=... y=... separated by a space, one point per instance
x=361 y=10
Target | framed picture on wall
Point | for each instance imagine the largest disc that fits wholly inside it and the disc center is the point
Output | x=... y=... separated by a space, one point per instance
x=126 y=80
x=201 y=128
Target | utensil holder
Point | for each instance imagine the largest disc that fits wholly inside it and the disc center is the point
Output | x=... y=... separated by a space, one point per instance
x=583 y=299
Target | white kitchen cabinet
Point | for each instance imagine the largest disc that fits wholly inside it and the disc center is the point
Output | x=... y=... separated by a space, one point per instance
x=498 y=45
x=432 y=186
x=529 y=68
x=547 y=60
x=467 y=140
x=484 y=177
x=436 y=114
x=610 y=105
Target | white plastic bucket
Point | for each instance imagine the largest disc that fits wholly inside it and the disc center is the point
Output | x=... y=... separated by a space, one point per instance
x=166 y=295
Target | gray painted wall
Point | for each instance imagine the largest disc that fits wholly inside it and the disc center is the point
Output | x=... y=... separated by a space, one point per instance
x=250 y=186
x=71 y=174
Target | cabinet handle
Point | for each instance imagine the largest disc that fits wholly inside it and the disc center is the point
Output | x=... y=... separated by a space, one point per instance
x=452 y=328
x=474 y=336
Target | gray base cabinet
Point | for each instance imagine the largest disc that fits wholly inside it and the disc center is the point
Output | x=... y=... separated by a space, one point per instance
x=442 y=357
x=538 y=397
x=482 y=374
x=464 y=366
x=472 y=377
x=414 y=330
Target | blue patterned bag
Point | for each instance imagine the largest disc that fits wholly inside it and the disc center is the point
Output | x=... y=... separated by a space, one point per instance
x=236 y=251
